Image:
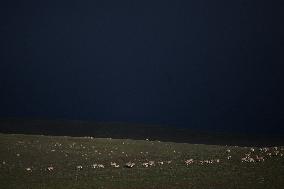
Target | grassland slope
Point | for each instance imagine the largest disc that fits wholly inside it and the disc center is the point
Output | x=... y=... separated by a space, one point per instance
x=55 y=162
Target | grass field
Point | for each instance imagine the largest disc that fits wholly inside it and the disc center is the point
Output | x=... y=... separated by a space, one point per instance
x=35 y=162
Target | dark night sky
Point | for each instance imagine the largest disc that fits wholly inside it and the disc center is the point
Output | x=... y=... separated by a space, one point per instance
x=202 y=64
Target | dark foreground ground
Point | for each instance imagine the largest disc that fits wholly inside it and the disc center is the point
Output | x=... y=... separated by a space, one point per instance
x=50 y=162
x=136 y=131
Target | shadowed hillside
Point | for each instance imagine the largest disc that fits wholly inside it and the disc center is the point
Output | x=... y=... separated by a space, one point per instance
x=134 y=131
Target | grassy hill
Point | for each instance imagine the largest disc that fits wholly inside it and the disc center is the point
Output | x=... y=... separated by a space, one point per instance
x=55 y=162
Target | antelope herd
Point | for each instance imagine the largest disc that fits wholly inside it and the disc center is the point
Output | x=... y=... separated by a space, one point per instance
x=251 y=155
